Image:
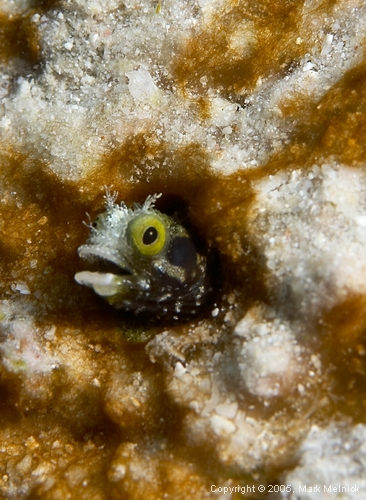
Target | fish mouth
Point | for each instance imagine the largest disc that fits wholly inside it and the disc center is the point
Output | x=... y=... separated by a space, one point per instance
x=106 y=271
x=103 y=260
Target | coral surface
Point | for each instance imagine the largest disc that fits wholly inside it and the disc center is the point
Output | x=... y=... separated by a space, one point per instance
x=250 y=118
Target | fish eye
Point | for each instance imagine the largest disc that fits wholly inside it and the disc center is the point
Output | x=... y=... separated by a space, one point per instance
x=148 y=233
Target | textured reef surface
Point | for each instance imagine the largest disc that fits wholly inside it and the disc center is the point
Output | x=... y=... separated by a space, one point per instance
x=250 y=119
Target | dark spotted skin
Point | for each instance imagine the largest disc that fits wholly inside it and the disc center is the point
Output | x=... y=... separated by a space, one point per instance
x=174 y=289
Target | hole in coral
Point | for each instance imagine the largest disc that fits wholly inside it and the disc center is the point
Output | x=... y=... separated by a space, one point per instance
x=153 y=310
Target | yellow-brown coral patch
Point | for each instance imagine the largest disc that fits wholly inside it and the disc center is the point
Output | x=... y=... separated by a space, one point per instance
x=19 y=39
x=19 y=35
x=238 y=46
x=40 y=230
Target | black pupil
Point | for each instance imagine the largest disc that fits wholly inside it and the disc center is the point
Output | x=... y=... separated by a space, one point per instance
x=150 y=236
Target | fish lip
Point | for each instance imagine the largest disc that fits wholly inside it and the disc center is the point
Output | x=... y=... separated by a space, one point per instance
x=104 y=284
x=94 y=254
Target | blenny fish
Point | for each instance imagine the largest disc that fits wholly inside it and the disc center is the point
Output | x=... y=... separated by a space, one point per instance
x=145 y=262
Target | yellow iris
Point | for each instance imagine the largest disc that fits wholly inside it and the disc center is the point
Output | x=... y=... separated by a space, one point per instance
x=148 y=233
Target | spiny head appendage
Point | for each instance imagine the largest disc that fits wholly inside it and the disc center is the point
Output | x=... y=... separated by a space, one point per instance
x=111 y=205
x=117 y=216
